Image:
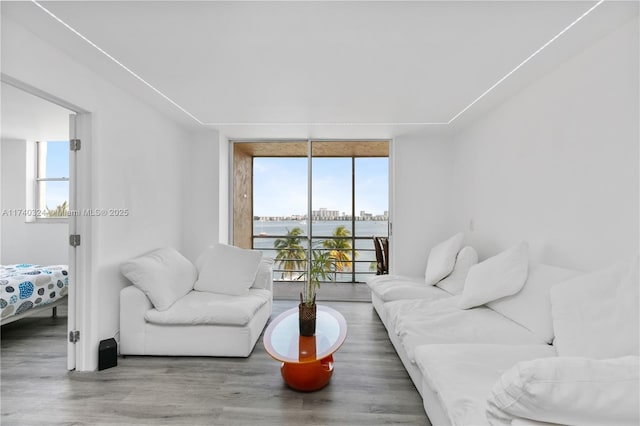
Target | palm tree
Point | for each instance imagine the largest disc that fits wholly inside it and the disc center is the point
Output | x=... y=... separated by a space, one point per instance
x=340 y=249
x=292 y=255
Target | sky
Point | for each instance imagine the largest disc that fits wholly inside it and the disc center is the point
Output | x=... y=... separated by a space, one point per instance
x=280 y=185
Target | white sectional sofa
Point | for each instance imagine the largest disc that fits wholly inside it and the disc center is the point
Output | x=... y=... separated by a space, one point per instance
x=199 y=317
x=458 y=358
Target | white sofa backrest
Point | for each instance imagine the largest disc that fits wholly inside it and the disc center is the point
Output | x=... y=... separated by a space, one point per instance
x=531 y=306
x=264 y=276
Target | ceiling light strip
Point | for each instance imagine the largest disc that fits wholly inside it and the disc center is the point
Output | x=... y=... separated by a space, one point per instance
x=567 y=28
x=124 y=67
x=266 y=123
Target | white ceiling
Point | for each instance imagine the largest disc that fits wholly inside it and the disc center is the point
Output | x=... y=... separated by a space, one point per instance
x=28 y=117
x=372 y=69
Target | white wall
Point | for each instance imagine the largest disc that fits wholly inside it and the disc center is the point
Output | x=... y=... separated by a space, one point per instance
x=36 y=242
x=201 y=196
x=557 y=164
x=421 y=200
x=138 y=162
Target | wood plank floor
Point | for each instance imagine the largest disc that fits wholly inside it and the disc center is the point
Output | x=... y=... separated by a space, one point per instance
x=369 y=385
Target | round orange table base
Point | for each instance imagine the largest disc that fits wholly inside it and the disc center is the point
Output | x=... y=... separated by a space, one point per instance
x=308 y=377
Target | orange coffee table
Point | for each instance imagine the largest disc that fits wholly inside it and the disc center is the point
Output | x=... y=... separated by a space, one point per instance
x=307 y=362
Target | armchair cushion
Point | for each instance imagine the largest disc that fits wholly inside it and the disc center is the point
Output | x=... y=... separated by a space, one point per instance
x=264 y=276
x=163 y=275
x=200 y=307
x=227 y=270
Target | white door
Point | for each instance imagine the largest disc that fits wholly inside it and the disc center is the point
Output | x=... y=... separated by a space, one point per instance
x=82 y=356
x=73 y=219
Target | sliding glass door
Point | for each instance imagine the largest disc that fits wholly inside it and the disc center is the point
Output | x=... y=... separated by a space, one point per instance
x=333 y=202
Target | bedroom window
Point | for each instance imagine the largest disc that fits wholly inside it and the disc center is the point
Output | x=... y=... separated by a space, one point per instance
x=52 y=180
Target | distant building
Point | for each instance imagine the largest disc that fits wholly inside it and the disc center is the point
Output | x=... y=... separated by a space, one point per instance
x=365 y=216
x=325 y=214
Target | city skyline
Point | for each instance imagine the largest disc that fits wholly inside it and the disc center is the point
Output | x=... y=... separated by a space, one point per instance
x=318 y=216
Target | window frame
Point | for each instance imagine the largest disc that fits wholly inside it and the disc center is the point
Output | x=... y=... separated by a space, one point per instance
x=40 y=157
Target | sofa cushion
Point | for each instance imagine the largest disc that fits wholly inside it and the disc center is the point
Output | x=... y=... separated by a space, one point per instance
x=379 y=283
x=227 y=269
x=568 y=390
x=596 y=315
x=420 y=322
x=462 y=375
x=399 y=291
x=531 y=306
x=501 y=275
x=401 y=287
x=441 y=259
x=163 y=275
x=454 y=282
x=201 y=307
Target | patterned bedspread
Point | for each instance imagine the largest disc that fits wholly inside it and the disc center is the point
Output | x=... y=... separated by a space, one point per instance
x=26 y=286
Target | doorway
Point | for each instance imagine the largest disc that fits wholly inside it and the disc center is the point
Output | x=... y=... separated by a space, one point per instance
x=39 y=200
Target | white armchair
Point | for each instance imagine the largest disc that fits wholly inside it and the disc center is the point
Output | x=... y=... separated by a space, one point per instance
x=199 y=323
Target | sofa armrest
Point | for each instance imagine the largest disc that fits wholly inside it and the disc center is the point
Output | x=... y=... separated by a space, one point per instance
x=264 y=276
x=134 y=304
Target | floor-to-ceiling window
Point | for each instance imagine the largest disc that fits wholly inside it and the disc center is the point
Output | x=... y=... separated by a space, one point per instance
x=333 y=202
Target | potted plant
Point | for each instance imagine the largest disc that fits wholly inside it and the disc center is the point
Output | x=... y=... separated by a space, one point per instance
x=320 y=269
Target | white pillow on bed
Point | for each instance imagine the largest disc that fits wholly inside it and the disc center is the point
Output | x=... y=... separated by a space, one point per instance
x=567 y=390
x=227 y=270
x=501 y=275
x=164 y=275
x=442 y=258
x=596 y=315
x=454 y=282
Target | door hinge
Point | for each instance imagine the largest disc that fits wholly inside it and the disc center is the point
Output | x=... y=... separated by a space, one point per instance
x=74 y=336
x=74 y=240
x=75 y=144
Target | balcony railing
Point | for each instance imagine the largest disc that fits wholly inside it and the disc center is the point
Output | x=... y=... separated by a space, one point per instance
x=356 y=266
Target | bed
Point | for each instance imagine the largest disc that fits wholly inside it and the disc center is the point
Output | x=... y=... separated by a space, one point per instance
x=26 y=289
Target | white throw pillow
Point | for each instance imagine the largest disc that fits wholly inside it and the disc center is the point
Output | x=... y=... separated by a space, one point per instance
x=501 y=275
x=531 y=306
x=264 y=275
x=164 y=275
x=227 y=270
x=442 y=258
x=568 y=391
x=596 y=315
x=454 y=282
